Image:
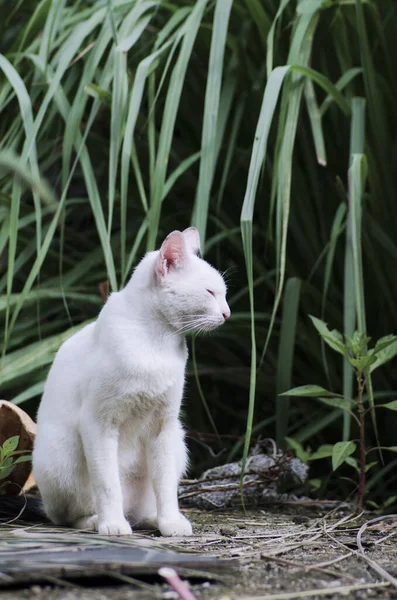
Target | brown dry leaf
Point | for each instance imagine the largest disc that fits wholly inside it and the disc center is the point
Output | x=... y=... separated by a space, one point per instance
x=15 y=421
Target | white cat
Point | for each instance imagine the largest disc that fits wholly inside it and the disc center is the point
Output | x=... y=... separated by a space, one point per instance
x=109 y=445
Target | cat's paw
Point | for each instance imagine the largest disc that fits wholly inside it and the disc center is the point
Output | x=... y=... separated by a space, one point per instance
x=178 y=526
x=116 y=527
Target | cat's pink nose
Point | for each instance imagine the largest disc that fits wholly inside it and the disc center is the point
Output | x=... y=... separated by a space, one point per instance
x=226 y=315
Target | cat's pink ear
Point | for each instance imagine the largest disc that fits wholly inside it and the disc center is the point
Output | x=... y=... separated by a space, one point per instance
x=172 y=254
x=192 y=238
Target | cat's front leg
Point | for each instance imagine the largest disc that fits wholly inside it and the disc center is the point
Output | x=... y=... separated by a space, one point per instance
x=100 y=441
x=169 y=462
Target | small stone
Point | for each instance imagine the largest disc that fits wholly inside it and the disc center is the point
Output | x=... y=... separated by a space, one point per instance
x=36 y=590
x=300 y=519
x=228 y=530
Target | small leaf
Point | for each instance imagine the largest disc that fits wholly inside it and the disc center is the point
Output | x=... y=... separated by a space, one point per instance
x=333 y=338
x=10 y=445
x=6 y=472
x=383 y=343
x=358 y=343
x=315 y=484
x=25 y=458
x=300 y=452
x=390 y=405
x=384 y=356
x=340 y=452
x=362 y=362
x=391 y=500
x=307 y=391
x=323 y=451
x=337 y=403
x=353 y=463
x=391 y=448
x=370 y=465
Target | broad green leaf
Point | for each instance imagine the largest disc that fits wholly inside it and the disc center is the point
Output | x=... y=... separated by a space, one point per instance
x=6 y=471
x=10 y=445
x=389 y=501
x=315 y=484
x=362 y=362
x=383 y=343
x=390 y=405
x=323 y=451
x=383 y=356
x=353 y=462
x=22 y=459
x=300 y=452
x=340 y=452
x=333 y=338
x=342 y=403
x=369 y=466
x=308 y=391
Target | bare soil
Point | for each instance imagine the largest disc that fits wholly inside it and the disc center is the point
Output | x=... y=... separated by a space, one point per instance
x=280 y=553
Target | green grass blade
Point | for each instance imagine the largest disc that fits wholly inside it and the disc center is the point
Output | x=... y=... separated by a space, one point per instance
x=19 y=363
x=169 y=117
x=357 y=179
x=127 y=151
x=271 y=36
x=340 y=85
x=31 y=392
x=268 y=107
x=285 y=356
x=116 y=121
x=357 y=135
x=201 y=393
x=315 y=122
x=299 y=53
x=210 y=119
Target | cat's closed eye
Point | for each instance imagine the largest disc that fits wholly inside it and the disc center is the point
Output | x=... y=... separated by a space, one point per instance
x=211 y=292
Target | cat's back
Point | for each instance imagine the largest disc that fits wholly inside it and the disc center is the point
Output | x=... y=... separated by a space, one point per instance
x=71 y=365
x=76 y=350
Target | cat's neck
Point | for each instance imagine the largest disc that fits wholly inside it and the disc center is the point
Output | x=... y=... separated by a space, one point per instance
x=137 y=310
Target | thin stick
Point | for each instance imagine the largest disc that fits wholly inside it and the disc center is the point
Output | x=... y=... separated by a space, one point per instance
x=306 y=567
x=330 y=591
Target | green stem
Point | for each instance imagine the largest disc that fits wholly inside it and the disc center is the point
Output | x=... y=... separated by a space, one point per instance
x=363 y=454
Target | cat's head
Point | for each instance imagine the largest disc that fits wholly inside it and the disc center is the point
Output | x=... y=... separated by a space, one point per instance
x=191 y=294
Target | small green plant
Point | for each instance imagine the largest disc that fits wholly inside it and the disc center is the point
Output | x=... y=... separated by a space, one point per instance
x=363 y=361
x=8 y=452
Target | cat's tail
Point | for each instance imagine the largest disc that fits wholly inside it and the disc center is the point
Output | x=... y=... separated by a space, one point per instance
x=24 y=508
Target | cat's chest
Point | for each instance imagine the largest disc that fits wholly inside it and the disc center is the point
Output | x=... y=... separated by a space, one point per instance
x=147 y=376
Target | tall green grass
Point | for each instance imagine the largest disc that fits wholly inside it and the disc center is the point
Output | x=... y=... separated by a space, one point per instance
x=124 y=119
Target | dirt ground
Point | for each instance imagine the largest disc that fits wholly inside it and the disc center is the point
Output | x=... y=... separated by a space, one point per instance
x=280 y=553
